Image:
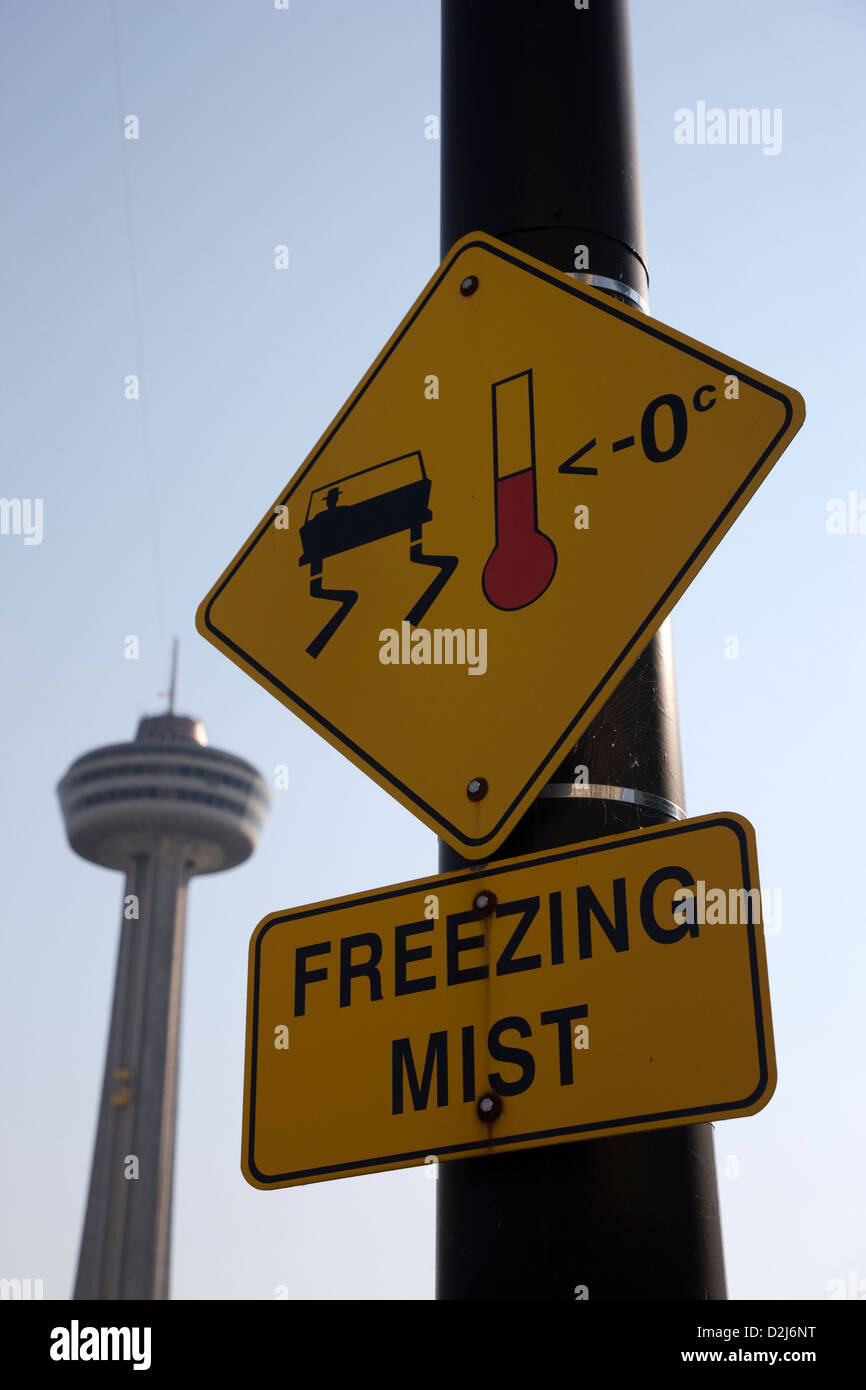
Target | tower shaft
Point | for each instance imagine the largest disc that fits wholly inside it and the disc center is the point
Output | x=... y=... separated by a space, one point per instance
x=125 y=1243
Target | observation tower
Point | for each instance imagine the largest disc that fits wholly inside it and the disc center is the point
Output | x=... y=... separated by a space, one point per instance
x=159 y=809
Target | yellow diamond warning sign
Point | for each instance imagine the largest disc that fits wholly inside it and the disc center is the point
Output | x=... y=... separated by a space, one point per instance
x=612 y=986
x=426 y=591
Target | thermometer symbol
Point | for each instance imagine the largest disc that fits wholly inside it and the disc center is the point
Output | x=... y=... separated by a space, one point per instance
x=523 y=561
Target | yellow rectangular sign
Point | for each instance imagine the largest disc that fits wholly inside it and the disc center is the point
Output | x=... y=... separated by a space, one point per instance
x=612 y=986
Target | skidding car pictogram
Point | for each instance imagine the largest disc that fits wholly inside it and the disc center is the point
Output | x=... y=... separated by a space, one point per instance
x=362 y=508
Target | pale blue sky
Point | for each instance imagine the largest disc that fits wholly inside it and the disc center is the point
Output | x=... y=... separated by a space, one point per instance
x=306 y=127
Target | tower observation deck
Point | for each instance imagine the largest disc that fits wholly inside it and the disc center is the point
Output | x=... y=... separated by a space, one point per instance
x=159 y=809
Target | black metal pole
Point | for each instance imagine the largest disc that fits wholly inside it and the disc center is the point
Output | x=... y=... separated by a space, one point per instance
x=539 y=149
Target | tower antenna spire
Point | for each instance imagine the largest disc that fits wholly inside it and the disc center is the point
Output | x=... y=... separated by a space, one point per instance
x=172 y=687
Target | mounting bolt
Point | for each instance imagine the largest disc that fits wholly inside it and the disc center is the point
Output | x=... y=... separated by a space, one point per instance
x=489 y=1107
x=477 y=789
x=469 y=285
x=484 y=902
